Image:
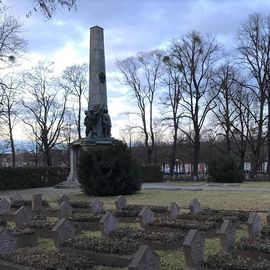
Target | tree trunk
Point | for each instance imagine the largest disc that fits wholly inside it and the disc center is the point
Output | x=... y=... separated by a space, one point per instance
x=268 y=138
x=172 y=163
x=196 y=155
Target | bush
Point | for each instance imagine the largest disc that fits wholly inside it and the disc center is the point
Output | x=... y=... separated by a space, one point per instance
x=109 y=170
x=152 y=174
x=225 y=170
x=31 y=177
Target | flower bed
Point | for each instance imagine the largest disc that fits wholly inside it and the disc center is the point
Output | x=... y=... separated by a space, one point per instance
x=109 y=246
x=134 y=210
x=28 y=203
x=145 y=235
x=83 y=205
x=183 y=224
x=41 y=259
x=86 y=217
x=216 y=215
x=260 y=245
x=225 y=262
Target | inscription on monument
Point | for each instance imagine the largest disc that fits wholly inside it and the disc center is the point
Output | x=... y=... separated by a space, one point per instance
x=63 y=231
x=108 y=224
x=23 y=216
x=15 y=197
x=120 y=202
x=145 y=259
x=195 y=207
x=96 y=206
x=65 y=210
x=63 y=198
x=5 y=206
x=254 y=225
x=37 y=202
x=194 y=246
x=146 y=216
x=227 y=237
x=8 y=242
x=174 y=210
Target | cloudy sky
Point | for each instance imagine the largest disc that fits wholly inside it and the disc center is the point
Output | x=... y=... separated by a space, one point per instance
x=130 y=26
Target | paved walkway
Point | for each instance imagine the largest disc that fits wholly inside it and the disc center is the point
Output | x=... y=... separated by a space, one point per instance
x=203 y=186
x=55 y=192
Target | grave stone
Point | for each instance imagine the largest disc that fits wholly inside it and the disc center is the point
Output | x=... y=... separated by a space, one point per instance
x=108 y=224
x=96 y=206
x=227 y=237
x=145 y=259
x=62 y=231
x=268 y=217
x=23 y=216
x=254 y=225
x=16 y=197
x=37 y=202
x=194 y=246
x=195 y=207
x=120 y=202
x=8 y=242
x=174 y=210
x=63 y=198
x=5 y=206
x=65 y=210
x=146 y=216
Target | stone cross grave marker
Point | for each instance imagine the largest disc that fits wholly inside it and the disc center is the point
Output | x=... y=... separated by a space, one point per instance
x=8 y=242
x=120 y=202
x=63 y=198
x=16 y=197
x=108 y=224
x=227 y=237
x=96 y=206
x=37 y=202
x=254 y=225
x=146 y=216
x=194 y=246
x=23 y=216
x=268 y=217
x=195 y=207
x=62 y=231
x=65 y=210
x=145 y=259
x=5 y=206
x=174 y=210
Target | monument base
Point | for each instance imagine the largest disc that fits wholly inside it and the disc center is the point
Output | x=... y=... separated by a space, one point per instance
x=85 y=143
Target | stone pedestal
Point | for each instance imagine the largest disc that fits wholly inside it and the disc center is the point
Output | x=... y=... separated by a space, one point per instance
x=72 y=179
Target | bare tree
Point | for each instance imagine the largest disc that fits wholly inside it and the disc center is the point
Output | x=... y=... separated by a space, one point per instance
x=196 y=56
x=74 y=80
x=142 y=75
x=173 y=84
x=47 y=7
x=11 y=41
x=45 y=108
x=254 y=55
x=11 y=109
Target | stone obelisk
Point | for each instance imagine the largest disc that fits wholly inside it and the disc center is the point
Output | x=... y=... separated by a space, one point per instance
x=97 y=120
x=97 y=77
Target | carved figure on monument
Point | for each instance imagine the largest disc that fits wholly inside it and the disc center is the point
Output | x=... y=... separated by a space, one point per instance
x=106 y=124
x=90 y=123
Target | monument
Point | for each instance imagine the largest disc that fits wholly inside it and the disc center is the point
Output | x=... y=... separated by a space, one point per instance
x=97 y=119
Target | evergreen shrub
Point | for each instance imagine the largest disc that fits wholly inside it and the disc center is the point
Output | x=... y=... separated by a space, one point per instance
x=109 y=170
x=31 y=177
x=225 y=169
x=152 y=174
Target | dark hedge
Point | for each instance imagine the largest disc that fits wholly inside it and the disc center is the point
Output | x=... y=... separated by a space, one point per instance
x=152 y=174
x=109 y=170
x=225 y=169
x=31 y=177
